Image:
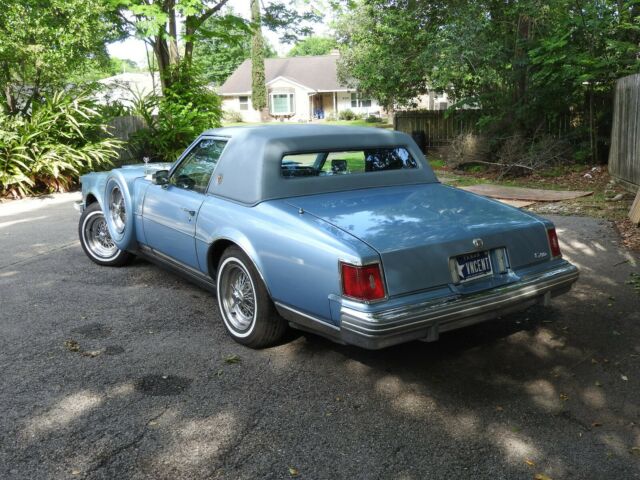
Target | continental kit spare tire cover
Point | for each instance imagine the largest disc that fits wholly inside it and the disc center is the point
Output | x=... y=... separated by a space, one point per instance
x=118 y=211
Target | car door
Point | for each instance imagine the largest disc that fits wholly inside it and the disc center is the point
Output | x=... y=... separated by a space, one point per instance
x=170 y=211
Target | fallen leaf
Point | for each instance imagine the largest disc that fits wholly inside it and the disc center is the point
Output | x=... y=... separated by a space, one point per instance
x=75 y=472
x=597 y=384
x=541 y=476
x=232 y=359
x=93 y=353
x=531 y=463
x=294 y=472
x=564 y=397
x=596 y=424
x=616 y=332
x=635 y=450
x=624 y=377
x=72 y=345
x=594 y=361
x=499 y=408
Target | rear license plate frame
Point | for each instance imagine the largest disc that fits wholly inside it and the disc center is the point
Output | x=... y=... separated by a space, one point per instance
x=467 y=262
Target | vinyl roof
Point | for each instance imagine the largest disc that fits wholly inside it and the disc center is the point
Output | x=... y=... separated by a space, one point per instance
x=317 y=73
x=249 y=170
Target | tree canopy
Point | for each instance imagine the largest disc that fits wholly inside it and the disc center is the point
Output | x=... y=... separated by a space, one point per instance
x=521 y=62
x=44 y=44
x=313 y=46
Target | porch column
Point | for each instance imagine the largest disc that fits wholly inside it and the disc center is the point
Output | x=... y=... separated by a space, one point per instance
x=335 y=104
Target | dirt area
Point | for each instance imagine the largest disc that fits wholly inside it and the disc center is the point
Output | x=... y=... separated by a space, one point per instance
x=609 y=201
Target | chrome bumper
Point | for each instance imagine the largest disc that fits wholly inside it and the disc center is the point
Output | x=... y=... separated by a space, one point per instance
x=425 y=321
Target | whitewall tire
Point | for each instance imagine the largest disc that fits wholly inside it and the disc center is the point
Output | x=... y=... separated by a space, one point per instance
x=247 y=311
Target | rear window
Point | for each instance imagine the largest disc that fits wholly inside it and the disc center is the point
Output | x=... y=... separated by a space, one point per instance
x=320 y=164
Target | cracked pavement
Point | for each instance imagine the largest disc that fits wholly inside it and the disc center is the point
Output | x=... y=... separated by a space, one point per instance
x=161 y=395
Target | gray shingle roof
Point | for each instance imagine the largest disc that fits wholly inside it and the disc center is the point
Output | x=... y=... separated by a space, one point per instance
x=315 y=72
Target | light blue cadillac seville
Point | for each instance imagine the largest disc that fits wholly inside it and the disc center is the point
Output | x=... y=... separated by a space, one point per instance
x=341 y=231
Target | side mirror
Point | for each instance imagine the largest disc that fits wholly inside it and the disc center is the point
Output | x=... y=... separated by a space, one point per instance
x=161 y=177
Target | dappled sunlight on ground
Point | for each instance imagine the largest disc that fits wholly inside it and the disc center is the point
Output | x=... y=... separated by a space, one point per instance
x=168 y=395
x=22 y=220
x=64 y=412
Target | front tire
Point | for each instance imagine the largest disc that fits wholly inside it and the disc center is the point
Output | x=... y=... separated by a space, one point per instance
x=96 y=240
x=244 y=304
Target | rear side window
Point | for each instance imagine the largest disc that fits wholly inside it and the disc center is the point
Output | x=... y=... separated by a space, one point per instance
x=320 y=164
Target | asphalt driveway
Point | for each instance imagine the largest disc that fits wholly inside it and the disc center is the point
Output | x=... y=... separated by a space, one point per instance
x=128 y=373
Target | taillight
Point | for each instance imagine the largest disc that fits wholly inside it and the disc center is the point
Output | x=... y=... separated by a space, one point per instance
x=553 y=243
x=362 y=282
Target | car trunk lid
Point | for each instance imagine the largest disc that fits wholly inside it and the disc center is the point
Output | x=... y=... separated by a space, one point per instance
x=418 y=229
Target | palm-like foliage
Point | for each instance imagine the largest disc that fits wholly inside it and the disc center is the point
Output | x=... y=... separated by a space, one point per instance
x=64 y=137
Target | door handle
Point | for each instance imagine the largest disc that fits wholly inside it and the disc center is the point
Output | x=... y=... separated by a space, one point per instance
x=191 y=213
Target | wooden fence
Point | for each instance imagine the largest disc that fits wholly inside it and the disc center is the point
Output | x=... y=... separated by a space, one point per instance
x=122 y=128
x=435 y=128
x=432 y=129
x=624 y=154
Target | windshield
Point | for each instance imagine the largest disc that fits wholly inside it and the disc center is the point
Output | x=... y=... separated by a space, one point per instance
x=320 y=164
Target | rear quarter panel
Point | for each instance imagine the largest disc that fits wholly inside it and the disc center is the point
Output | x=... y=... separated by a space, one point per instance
x=296 y=254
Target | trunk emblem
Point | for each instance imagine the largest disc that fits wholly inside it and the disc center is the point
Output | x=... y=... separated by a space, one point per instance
x=478 y=243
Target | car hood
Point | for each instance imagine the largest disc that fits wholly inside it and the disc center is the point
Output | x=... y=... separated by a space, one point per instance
x=417 y=228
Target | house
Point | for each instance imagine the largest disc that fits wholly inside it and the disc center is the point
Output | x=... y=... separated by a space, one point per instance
x=125 y=87
x=432 y=100
x=299 y=89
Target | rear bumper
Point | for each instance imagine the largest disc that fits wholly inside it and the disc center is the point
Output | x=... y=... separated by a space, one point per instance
x=386 y=327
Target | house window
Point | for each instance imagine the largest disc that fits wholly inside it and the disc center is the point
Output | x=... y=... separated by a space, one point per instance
x=244 y=103
x=357 y=101
x=282 y=104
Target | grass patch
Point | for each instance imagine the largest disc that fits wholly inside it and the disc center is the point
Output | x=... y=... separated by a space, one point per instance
x=437 y=163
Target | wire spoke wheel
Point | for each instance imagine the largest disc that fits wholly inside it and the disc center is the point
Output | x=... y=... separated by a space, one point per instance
x=98 y=238
x=238 y=296
x=244 y=303
x=117 y=209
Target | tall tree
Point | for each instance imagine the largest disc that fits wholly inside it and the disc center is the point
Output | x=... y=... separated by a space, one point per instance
x=258 y=87
x=156 y=21
x=523 y=63
x=224 y=48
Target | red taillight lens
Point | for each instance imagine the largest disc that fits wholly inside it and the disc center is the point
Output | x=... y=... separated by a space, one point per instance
x=553 y=243
x=362 y=283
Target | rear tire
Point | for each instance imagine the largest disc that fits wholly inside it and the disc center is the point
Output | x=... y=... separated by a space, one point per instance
x=244 y=303
x=96 y=240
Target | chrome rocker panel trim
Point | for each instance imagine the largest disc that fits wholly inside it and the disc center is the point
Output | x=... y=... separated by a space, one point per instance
x=425 y=321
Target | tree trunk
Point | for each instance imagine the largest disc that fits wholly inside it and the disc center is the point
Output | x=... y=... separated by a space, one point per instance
x=174 y=55
x=161 y=51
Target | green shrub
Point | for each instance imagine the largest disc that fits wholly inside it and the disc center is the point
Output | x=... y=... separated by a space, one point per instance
x=373 y=119
x=174 y=120
x=231 y=116
x=347 y=115
x=64 y=137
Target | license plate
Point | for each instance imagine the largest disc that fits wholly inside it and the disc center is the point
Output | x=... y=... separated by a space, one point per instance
x=473 y=265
